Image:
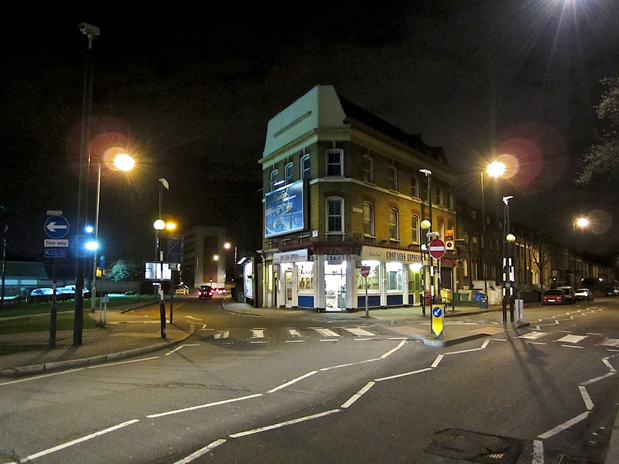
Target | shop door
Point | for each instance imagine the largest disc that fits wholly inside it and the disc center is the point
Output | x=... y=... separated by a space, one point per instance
x=288 y=287
x=335 y=287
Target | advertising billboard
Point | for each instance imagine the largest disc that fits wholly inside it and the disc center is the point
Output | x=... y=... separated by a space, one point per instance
x=283 y=210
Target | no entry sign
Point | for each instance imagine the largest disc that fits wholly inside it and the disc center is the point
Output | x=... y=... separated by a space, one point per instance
x=365 y=271
x=437 y=248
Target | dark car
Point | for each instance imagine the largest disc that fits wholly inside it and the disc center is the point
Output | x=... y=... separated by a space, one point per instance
x=569 y=293
x=611 y=291
x=206 y=291
x=554 y=297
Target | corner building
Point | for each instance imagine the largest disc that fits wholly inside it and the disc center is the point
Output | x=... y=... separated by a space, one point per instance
x=343 y=189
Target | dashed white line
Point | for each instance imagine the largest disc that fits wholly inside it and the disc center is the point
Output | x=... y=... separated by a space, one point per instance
x=201 y=451
x=358 y=395
x=293 y=381
x=283 y=424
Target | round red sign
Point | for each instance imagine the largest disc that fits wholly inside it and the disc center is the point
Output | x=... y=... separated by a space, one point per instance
x=437 y=248
x=365 y=271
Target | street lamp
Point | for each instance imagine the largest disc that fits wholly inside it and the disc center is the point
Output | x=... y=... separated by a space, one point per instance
x=495 y=169
x=159 y=226
x=579 y=223
x=428 y=227
x=122 y=162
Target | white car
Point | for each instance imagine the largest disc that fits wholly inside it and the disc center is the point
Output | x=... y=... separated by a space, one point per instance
x=41 y=291
x=584 y=294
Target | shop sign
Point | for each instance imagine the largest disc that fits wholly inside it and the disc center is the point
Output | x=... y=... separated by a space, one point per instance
x=334 y=259
x=290 y=256
x=385 y=255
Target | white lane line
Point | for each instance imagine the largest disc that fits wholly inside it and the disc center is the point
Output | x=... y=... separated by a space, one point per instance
x=79 y=440
x=130 y=361
x=349 y=364
x=287 y=384
x=202 y=406
x=614 y=342
x=295 y=341
x=390 y=352
x=438 y=359
x=538 y=452
x=564 y=426
x=201 y=451
x=284 y=424
x=586 y=398
x=573 y=346
x=482 y=347
x=36 y=377
x=405 y=374
x=194 y=318
x=608 y=364
x=357 y=395
x=179 y=347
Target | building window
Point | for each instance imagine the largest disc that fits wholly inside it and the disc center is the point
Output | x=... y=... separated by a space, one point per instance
x=335 y=215
x=465 y=268
x=394 y=228
x=395 y=276
x=415 y=228
x=449 y=200
x=305 y=167
x=393 y=178
x=424 y=191
x=439 y=195
x=368 y=219
x=441 y=229
x=335 y=162
x=368 y=169
x=414 y=187
x=288 y=173
x=274 y=174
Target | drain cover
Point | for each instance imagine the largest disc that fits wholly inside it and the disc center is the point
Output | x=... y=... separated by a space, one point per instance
x=475 y=447
x=564 y=459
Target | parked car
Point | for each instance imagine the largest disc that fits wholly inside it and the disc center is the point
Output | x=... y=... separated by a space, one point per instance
x=41 y=291
x=583 y=294
x=611 y=291
x=569 y=293
x=554 y=296
x=220 y=291
x=206 y=291
x=181 y=289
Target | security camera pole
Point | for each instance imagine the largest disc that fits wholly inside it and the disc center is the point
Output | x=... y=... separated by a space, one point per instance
x=82 y=198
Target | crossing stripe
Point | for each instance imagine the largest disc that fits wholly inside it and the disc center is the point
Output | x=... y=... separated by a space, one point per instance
x=572 y=339
x=359 y=332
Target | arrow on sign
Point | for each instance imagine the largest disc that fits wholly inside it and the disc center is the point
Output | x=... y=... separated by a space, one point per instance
x=53 y=227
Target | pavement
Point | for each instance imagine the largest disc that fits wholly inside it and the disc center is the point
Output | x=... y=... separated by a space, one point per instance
x=129 y=333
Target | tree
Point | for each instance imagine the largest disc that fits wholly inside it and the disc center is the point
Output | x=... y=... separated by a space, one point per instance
x=122 y=270
x=603 y=156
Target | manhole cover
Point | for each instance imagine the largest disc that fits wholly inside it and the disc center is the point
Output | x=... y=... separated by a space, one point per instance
x=564 y=459
x=475 y=447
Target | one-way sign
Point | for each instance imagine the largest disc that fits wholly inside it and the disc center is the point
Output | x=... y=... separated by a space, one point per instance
x=56 y=226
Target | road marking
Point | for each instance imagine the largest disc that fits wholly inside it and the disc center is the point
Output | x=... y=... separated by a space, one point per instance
x=533 y=335
x=405 y=374
x=357 y=395
x=572 y=339
x=564 y=426
x=40 y=377
x=79 y=440
x=202 y=451
x=349 y=364
x=202 y=406
x=586 y=398
x=294 y=333
x=538 y=452
x=283 y=424
x=438 y=359
x=614 y=342
x=359 y=332
x=257 y=333
x=325 y=332
x=293 y=381
x=123 y=362
x=179 y=347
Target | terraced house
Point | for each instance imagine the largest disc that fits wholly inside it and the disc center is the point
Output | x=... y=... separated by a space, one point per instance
x=343 y=190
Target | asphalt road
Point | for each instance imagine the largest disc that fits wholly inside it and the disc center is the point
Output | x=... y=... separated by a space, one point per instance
x=253 y=389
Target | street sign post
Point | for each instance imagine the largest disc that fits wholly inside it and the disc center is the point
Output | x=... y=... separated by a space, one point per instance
x=365 y=272
x=56 y=226
x=437 y=321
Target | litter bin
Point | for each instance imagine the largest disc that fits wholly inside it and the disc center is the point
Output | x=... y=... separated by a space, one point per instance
x=483 y=300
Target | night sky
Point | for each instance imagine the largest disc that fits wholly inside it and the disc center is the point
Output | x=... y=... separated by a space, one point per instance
x=190 y=91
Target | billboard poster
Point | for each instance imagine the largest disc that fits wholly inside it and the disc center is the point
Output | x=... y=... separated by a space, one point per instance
x=284 y=210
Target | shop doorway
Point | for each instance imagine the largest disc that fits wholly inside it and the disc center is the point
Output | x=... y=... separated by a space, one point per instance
x=335 y=287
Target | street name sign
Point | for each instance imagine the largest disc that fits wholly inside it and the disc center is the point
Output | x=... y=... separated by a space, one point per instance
x=56 y=226
x=55 y=253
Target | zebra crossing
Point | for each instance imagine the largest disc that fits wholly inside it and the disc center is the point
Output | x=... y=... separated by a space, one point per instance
x=570 y=340
x=292 y=334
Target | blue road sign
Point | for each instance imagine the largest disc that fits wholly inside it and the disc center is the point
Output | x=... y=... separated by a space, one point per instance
x=55 y=253
x=56 y=226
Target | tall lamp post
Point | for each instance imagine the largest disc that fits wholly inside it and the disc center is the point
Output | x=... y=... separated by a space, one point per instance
x=122 y=162
x=428 y=228
x=495 y=169
x=508 y=265
x=580 y=223
x=159 y=226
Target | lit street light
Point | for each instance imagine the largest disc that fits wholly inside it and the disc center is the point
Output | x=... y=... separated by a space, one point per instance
x=122 y=162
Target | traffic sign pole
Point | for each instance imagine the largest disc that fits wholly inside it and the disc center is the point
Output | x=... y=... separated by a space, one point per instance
x=365 y=272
